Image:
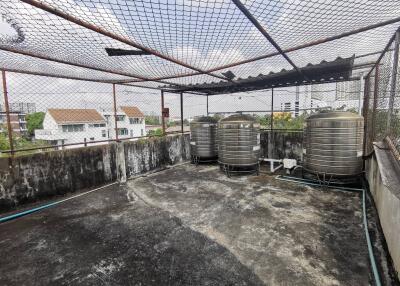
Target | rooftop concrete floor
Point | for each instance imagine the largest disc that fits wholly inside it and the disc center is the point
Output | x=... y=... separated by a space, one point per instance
x=191 y=226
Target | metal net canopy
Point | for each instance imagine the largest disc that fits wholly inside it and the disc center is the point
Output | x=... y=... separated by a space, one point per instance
x=196 y=45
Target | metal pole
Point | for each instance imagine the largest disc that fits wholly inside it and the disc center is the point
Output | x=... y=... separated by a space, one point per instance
x=115 y=113
x=394 y=79
x=365 y=114
x=5 y=93
x=162 y=112
x=272 y=110
x=259 y=27
x=376 y=91
x=360 y=99
x=207 y=104
x=181 y=112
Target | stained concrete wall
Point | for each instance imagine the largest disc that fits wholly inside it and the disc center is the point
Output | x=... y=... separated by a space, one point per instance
x=28 y=178
x=280 y=144
x=42 y=175
x=383 y=175
x=145 y=155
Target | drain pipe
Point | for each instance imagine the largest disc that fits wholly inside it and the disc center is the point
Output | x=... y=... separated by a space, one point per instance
x=42 y=207
x=365 y=221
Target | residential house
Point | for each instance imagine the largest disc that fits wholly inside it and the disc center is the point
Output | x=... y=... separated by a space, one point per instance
x=68 y=126
x=130 y=122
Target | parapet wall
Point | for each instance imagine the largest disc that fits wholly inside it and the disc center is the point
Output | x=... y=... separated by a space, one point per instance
x=28 y=178
x=383 y=175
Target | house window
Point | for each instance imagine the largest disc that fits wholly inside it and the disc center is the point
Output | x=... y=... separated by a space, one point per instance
x=73 y=128
x=122 y=131
x=134 y=120
x=103 y=133
x=91 y=138
x=97 y=125
x=141 y=132
x=120 y=117
x=131 y=133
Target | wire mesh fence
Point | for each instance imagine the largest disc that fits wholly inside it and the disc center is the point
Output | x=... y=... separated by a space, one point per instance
x=44 y=113
x=287 y=107
x=49 y=113
x=382 y=100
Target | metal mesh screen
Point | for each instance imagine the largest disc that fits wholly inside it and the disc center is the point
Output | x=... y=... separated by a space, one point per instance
x=287 y=108
x=187 y=42
x=48 y=113
x=56 y=57
x=382 y=112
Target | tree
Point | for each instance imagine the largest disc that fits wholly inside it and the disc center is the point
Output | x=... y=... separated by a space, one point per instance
x=152 y=120
x=34 y=121
x=156 y=132
x=264 y=120
x=4 y=142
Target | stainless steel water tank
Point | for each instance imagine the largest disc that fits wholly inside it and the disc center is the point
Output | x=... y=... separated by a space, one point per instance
x=333 y=143
x=203 y=137
x=238 y=140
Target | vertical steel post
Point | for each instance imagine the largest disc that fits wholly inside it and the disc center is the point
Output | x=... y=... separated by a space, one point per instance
x=394 y=78
x=272 y=109
x=361 y=94
x=162 y=112
x=365 y=114
x=376 y=92
x=115 y=113
x=182 y=112
x=5 y=93
x=207 y=104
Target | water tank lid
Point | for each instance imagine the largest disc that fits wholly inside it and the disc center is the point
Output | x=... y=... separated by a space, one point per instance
x=238 y=118
x=205 y=119
x=337 y=115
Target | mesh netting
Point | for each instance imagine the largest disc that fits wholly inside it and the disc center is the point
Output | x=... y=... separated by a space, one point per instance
x=55 y=56
x=383 y=112
x=188 y=38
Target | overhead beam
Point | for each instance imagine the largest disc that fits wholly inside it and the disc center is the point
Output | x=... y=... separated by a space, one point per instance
x=387 y=47
x=52 y=75
x=111 y=35
x=260 y=28
x=296 y=48
x=51 y=59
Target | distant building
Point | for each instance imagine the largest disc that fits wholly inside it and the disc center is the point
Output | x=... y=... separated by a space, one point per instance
x=21 y=107
x=17 y=120
x=130 y=122
x=68 y=126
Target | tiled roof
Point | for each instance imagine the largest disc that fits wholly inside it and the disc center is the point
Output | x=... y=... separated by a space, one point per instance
x=75 y=115
x=132 y=111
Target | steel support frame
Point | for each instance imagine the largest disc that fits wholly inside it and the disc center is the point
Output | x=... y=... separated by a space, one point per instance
x=181 y=98
x=87 y=25
x=115 y=112
x=365 y=113
x=393 y=81
x=70 y=18
x=375 y=103
x=7 y=107
x=162 y=112
x=207 y=104
x=259 y=27
x=272 y=110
